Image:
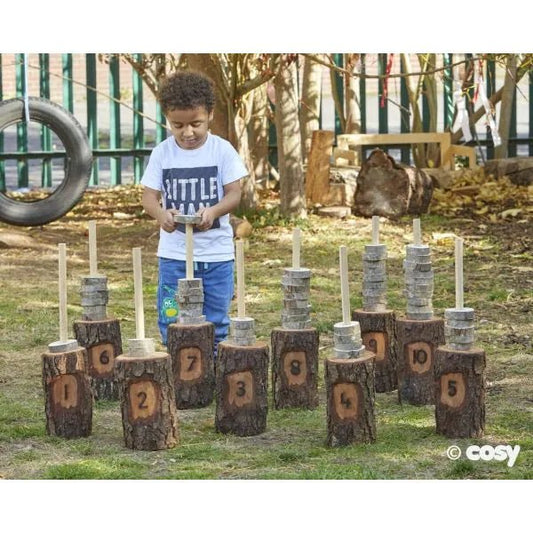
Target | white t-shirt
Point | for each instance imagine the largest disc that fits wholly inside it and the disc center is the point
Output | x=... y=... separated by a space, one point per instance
x=188 y=180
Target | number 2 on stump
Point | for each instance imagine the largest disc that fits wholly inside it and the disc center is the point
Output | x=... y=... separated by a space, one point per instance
x=143 y=400
x=453 y=390
x=346 y=400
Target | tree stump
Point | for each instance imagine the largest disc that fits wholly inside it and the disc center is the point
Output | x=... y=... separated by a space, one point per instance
x=295 y=367
x=417 y=341
x=390 y=189
x=191 y=349
x=241 y=388
x=67 y=393
x=378 y=330
x=103 y=341
x=350 y=393
x=460 y=392
x=146 y=391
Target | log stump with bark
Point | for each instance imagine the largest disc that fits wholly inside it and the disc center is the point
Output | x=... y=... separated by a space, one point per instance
x=295 y=367
x=391 y=189
x=460 y=392
x=146 y=391
x=67 y=393
x=191 y=349
x=241 y=388
x=350 y=403
x=519 y=170
x=417 y=341
x=378 y=331
x=103 y=341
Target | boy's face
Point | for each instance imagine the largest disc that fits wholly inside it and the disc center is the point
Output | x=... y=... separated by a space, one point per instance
x=189 y=126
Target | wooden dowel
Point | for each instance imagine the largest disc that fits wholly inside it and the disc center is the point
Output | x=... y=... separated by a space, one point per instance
x=138 y=289
x=189 y=252
x=459 y=292
x=417 y=232
x=241 y=310
x=296 y=240
x=345 y=290
x=93 y=262
x=63 y=329
x=375 y=230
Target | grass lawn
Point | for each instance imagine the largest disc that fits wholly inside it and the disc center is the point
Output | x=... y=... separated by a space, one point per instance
x=498 y=285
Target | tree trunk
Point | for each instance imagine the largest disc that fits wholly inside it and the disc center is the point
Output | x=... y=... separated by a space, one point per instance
x=295 y=368
x=310 y=106
x=67 y=393
x=390 y=189
x=292 y=191
x=350 y=394
x=417 y=342
x=148 y=404
x=191 y=349
x=241 y=389
x=353 y=113
x=318 y=168
x=460 y=392
x=379 y=337
x=506 y=109
x=103 y=342
x=432 y=153
x=259 y=134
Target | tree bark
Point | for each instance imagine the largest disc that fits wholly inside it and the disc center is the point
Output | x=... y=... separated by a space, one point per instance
x=259 y=134
x=241 y=389
x=417 y=342
x=379 y=337
x=103 y=342
x=390 y=189
x=460 y=392
x=148 y=404
x=318 y=168
x=67 y=393
x=295 y=368
x=353 y=113
x=310 y=106
x=191 y=350
x=292 y=191
x=350 y=392
x=506 y=108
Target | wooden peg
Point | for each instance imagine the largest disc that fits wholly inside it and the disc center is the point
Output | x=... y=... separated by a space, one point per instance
x=345 y=290
x=417 y=233
x=138 y=290
x=375 y=229
x=296 y=242
x=93 y=261
x=241 y=309
x=459 y=291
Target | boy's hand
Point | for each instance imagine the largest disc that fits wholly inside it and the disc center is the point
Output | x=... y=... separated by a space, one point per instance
x=166 y=219
x=208 y=217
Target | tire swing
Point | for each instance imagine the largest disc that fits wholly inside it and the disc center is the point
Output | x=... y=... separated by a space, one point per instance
x=77 y=169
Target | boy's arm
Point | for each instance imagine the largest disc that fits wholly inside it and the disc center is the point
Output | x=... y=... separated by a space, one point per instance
x=230 y=201
x=152 y=205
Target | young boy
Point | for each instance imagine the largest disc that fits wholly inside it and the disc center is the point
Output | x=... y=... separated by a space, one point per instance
x=193 y=172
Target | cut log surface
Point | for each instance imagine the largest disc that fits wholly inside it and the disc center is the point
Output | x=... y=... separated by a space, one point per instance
x=460 y=392
x=67 y=392
x=191 y=349
x=146 y=390
x=378 y=331
x=417 y=341
x=241 y=388
x=350 y=403
x=103 y=342
x=295 y=367
x=390 y=189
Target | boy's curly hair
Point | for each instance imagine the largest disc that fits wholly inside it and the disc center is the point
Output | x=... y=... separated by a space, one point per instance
x=186 y=90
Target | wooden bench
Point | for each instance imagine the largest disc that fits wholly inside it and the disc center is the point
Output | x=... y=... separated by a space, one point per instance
x=346 y=143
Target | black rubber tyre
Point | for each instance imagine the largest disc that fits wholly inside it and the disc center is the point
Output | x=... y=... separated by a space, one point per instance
x=78 y=167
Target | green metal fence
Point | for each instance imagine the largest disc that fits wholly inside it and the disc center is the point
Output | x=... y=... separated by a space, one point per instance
x=120 y=148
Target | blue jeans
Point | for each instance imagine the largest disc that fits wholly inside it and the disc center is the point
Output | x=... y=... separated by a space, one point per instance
x=217 y=279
